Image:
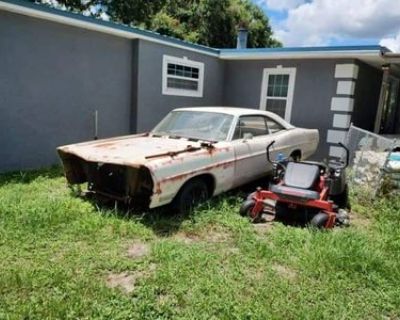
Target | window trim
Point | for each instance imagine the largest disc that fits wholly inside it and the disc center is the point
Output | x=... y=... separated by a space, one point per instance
x=182 y=92
x=250 y=115
x=264 y=88
x=273 y=120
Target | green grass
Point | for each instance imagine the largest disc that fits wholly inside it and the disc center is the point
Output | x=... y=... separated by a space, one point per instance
x=57 y=252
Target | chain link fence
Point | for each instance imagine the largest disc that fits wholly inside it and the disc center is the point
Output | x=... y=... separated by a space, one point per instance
x=370 y=159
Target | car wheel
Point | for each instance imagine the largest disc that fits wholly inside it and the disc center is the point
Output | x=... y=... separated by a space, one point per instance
x=319 y=220
x=191 y=194
x=295 y=156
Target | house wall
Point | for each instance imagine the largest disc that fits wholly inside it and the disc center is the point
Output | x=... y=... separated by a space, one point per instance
x=52 y=79
x=315 y=85
x=151 y=104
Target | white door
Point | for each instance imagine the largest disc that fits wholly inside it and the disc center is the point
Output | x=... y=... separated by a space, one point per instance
x=277 y=91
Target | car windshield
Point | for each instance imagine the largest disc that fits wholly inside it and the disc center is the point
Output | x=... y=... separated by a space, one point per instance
x=200 y=125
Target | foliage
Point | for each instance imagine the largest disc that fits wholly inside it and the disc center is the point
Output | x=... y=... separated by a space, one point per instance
x=209 y=22
x=57 y=250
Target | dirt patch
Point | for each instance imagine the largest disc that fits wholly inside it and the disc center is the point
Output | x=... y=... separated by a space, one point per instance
x=127 y=280
x=124 y=281
x=359 y=220
x=265 y=226
x=138 y=250
x=284 y=271
x=186 y=238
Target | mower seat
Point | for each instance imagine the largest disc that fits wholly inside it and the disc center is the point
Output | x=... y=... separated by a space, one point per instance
x=301 y=175
x=290 y=192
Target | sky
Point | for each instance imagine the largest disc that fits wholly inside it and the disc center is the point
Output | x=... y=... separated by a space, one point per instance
x=334 y=22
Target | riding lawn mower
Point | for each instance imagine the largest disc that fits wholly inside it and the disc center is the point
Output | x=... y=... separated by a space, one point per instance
x=303 y=193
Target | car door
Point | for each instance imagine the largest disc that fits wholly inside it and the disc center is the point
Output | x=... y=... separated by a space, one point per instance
x=281 y=136
x=249 y=140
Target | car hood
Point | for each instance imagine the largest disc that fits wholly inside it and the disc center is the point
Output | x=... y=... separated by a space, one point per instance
x=129 y=150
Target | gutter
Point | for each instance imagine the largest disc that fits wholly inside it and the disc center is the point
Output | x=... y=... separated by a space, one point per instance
x=275 y=55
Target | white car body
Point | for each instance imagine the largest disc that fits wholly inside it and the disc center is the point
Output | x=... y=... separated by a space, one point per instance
x=172 y=162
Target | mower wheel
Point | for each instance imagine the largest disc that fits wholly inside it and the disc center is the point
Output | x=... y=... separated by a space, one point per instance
x=246 y=208
x=342 y=199
x=250 y=196
x=282 y=212
x=319 y=220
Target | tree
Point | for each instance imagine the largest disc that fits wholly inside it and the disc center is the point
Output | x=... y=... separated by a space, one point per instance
x=208 y=22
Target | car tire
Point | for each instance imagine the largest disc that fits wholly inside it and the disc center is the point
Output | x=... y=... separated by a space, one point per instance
x=319 y=220
x=191 y=194
x=295 y=157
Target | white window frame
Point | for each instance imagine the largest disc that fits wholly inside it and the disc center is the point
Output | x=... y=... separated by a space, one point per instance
x=182 y=92
x=264 y=88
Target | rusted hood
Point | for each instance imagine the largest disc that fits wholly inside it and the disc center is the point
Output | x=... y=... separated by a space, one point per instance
x=128 y=150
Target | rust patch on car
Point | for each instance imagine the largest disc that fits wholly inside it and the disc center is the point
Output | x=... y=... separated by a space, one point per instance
x=224 y=165
x=158 y=188
x=105 y=145
x=173 y=154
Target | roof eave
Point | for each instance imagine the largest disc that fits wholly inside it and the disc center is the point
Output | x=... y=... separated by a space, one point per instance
x=392 y=57
x=89 y=23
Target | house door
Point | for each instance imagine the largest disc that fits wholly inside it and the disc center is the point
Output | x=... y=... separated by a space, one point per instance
x=277 y=91
x=390 y=112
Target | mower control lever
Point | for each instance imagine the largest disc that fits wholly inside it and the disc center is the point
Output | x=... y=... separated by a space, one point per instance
x=269 y=147
x=347 y=154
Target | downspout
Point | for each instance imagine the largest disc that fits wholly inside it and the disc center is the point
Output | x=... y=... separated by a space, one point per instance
x=382 y=97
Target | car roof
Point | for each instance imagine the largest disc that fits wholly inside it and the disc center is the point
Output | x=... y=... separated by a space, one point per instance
x=235 y=111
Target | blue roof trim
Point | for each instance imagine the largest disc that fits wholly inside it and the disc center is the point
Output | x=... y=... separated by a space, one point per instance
x=307 y=49
x=115 y=25
x=151 y=34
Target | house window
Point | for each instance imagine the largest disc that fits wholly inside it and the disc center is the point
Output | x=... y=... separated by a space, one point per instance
x=182 y=77
x=277 y=91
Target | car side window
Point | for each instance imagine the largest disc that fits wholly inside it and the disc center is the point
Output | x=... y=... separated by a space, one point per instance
x=254 y=125
x=274 y=126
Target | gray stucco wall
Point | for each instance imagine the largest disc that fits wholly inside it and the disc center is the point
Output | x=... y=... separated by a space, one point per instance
x=366 y=96
x=152 y=105
x=314 y=87
x=52 y=78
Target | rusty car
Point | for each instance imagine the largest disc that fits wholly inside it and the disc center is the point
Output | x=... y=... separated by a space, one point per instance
x=192 y=154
